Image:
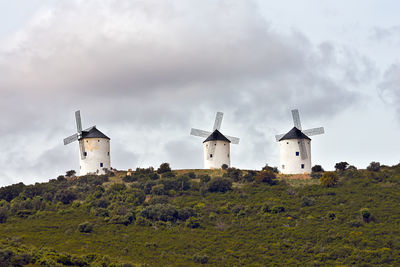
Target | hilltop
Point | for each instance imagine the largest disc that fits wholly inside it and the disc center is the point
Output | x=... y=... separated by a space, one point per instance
x=210 y=217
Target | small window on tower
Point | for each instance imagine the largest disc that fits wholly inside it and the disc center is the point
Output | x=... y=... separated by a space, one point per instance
x=211 y=155
x=302 y=166
x=283 y=166
x=108 y=153
x=101 y=164
x=85 y=153
x=228 y=155
x=287 y=142
x=98 y=140
x=297 y=153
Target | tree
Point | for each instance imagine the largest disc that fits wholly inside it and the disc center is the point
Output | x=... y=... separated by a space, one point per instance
x=329 y=179
x=317 y=168
x=70 y=173
x=267 y=177
x=374 y=166
x=224 y=166
x=341 y=166
x=219 y=184
x=164 y=167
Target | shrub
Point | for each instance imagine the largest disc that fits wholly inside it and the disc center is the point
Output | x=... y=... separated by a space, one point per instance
x=164 y=167
x=65 y=196
x=233 y=173
x=3 y=215
x=191 y=175
x=374 y=166
x=341 y=166
x=122 y=219
x=85 y=227
x=70 y=173
x=199 y=258
x=224 y=166
x=185 y=213
x=160 y=212
x=192 y=222
x=366 y=215
x=307 y=202
x=329 y=179
x=219 y=184
x=317 y=168
x=167 y=175
x=204 y=178
x=158 y=200
x=331 y=215
x=158 y=190
x=268 y=177
x=271 y=169
x=277 y=209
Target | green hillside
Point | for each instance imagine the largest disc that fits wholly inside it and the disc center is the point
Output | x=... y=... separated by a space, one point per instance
x=203 y=217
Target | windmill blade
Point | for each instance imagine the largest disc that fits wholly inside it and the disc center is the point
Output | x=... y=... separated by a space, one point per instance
x=200 y=133
x=278 y=137
x=82 y=149
x=71 y=139
x=211 y=150
x=234 y=140
x=78 y=121
x=218 y=120
x=314 y=131
x=303 y=150
x=296 y=118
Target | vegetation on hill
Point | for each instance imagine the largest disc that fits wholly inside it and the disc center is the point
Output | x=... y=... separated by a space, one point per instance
x=204 y=217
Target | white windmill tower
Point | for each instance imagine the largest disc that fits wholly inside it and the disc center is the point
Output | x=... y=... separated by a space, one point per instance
x=216 y=148
x=94 y=148
x=295 y=147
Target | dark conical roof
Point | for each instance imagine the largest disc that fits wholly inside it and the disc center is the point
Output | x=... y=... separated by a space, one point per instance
x=93 y=133
x=216 y=135
x=295 y=134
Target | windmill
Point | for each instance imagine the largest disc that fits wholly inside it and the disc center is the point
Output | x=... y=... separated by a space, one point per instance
x=296 y=147
x=216 y=147
x=94 y=148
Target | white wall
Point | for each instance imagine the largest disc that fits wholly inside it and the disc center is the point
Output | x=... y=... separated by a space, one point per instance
x=290 y=163
x=98 y=151
x=221 y=155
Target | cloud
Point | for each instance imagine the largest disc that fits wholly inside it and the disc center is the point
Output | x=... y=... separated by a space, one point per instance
x=146 y=71
x=389 y=87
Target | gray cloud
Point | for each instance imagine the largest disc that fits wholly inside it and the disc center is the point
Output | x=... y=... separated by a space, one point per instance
x=147 y=71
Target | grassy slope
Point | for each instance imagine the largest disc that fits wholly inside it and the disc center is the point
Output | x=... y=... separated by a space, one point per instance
x=300 y=235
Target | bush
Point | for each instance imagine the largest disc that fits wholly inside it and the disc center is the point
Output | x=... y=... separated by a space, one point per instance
x=329 y=179
x=277 y=209
x=267 y=177
x=307 y=202
x=366 y=215
x=341 y=166
x=85 y=227
x=271 y=169
x=199 y=258
x=219 y=184
x=317 y=168
x=158 y=200
x=204 y=178
x=160 y=212
x=224 y=166
x=65 y=196
x=374 y=166
x=158 y=190
x=185 y=213
x=233 y=173
x=164 y=167
x=3 y=215
x=70 y=173
x=193 y=222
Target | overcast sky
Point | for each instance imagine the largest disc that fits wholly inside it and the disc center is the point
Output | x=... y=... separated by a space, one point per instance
x=146 y=71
